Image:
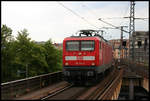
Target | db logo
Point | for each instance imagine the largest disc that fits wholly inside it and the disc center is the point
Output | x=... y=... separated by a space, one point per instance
x=80 y=58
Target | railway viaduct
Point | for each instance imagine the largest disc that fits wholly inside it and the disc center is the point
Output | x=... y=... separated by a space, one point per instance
x=37 y=87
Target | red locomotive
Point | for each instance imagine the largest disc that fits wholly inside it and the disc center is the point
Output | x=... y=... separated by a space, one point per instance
x=85 y=57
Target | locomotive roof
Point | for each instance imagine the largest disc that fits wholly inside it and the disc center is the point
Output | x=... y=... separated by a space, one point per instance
x=88 y=37
x=81 y=37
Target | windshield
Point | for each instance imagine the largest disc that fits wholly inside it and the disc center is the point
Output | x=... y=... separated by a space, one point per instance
x=72 y=45
x=87 y=45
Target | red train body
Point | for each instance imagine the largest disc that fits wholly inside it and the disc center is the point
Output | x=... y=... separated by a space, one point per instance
x=84 y=57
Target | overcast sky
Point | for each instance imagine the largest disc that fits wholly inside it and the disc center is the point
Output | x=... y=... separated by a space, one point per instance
x=50 y=20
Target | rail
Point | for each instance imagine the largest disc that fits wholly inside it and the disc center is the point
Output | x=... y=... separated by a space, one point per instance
x=14 y=89
x=93 y=93
x=104 y=85
x=107 y=95
x=57 y=92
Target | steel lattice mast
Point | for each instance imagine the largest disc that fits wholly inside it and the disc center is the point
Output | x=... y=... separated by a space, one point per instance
x=131 y=29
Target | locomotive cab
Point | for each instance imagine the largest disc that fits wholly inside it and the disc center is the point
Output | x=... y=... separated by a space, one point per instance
x=79 y=52
x=82 y=58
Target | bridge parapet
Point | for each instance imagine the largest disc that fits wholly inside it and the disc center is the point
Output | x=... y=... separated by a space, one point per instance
x=145 y=84
x=139 y=68
x=14 y=89
x=138 y=72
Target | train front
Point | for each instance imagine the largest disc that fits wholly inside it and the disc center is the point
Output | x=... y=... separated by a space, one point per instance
x=80 y=58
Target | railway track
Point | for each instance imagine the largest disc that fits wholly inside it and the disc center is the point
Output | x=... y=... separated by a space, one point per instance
x=56 y=92
x=70 y=92
x=44 y=92
x=65 y=91
x=100 y=91
x=110 y=89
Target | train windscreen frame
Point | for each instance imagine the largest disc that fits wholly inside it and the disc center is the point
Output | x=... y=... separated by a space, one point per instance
x=84 y=45
x=72 y=45
x=87 y=45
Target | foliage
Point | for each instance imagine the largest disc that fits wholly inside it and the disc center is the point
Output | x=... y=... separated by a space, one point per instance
x=53 y=56
x=25 y=58
x=6 y=54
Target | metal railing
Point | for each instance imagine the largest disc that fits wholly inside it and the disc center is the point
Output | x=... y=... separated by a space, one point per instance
x=13 y=89
x=139 y=68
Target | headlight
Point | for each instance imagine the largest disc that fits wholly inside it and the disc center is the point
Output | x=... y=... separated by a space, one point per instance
x=66 y=64
x=93 y=64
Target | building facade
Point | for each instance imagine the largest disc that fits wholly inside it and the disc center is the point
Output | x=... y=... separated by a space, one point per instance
x=117 y=51
x=140 y=49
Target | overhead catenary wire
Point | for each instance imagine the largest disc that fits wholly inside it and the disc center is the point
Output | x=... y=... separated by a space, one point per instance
x=102 y=20
x=125 y=12
x=92 y=13
x=107 y=22
x=77 y=15
x=89 y=10
x=88 y=21
x=112 y=25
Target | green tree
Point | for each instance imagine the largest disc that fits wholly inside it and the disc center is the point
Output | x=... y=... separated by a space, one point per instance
x=23 y=51
x=30 y=56
x=59 y=60
x=6 y=35
x=22 y=57
x=52 y=56
x=7 y=54
x=38 y=60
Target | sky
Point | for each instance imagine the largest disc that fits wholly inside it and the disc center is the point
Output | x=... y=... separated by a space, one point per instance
x=51 y=20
